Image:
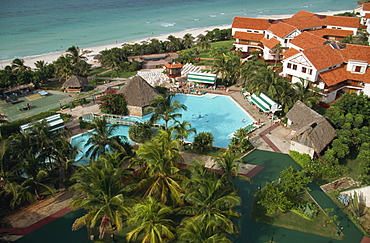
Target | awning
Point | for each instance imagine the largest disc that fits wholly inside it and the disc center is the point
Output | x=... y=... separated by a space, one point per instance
x=209 y=78
x=273 y=105
x=260 y=103
x=265 y=103
x=54 y=122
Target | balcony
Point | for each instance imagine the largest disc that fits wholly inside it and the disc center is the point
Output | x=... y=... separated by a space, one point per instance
x=347 y=84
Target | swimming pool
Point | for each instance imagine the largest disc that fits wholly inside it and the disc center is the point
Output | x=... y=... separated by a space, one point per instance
x=79 y=141
x=217 y=114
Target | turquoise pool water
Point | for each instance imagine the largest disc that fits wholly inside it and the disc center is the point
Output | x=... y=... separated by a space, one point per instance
x=80 y=141
x=217 y=114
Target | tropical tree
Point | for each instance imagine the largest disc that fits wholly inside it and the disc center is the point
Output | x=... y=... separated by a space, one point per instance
x=228 y=163
x=151 y=222
x=113 y=103
x=212 y=204
x=18 y=65
x=305 y=93
x=203 y=141
x=74 y=54
x=104 y=196
x=181 y=130
x=196 y=232
x=202 y=42
x=239 y=142
x=140 y=132
x=278 y=48
x=187 y=41
x=163 y=108
x=173 y=44
x=63 y=67
x=159 y=173
x=102 y=139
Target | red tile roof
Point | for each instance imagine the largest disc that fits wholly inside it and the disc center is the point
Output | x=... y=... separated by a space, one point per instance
x=304 y=20
x=250 y=23
x=281 y=29
x=307 y=40
x=335 y=76
x=172 y=66
x=323 y=57
x=331 y=32
x=356 y=52
x=270 y=43
x=248 y=36
x=366 y=6
x=302 y=13
x=290 y=52
x=352 y=22
x=367 y=15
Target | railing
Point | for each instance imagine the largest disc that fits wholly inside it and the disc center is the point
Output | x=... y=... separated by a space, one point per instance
x=349 y=84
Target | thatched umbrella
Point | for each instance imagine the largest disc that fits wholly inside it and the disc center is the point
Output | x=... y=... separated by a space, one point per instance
x=75 y=83
x=312 y=129
x=139 y=93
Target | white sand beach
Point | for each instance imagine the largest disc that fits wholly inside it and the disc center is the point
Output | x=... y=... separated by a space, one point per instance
x=49 y=58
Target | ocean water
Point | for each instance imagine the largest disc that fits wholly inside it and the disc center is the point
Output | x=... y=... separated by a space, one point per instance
x=37 y=27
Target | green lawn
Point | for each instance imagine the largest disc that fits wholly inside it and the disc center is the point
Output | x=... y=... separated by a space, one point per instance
x=293 y=221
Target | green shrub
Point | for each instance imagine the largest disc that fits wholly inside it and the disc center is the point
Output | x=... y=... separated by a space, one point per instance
x=203 y=141
x=140 y=132
x=302 y=159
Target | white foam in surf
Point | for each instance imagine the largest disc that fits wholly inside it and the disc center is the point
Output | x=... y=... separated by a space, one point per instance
x=168 y=24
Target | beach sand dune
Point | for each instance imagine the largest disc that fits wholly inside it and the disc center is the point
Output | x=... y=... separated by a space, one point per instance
x=49 y=58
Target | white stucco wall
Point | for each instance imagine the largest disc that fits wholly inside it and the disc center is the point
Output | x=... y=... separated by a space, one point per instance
x=363 y=194
x=300 y=148
x=366 y=90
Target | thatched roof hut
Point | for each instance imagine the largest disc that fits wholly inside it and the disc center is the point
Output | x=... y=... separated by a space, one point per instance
x=311 y=131
x=74 y=84
x=139 y=93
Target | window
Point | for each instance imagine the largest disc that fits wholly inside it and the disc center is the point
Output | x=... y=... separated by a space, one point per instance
x=249 y=31
x=256 y=31
x=304 y=70
x=294 y=67
x=309 y=71
x=267 y=36
x=357 y=69
x=289 y=65
x=286 y=41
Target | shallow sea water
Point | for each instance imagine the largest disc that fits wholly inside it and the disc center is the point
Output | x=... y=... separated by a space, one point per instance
x=37 y=27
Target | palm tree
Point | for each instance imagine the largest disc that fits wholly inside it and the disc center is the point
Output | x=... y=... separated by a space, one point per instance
x=212 y=204
x=203 y=42
x=277 y=49
x=74 y=54
x=18 y=65
x=229 y=162
x=159 y=172
x=151 y=221
x=163 y=108
x=102 y=139
x=64 y=158
x=181 y=131
x=63 y=67
x=103 y=190
x=305 y=93
x=187 y=41
x=203 y=141
x=196 y=232
x=173 y=44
